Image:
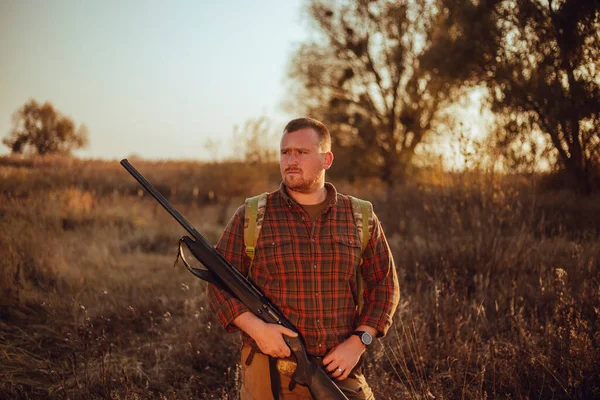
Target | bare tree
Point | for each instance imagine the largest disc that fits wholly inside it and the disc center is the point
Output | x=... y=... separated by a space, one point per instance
x=40 y=129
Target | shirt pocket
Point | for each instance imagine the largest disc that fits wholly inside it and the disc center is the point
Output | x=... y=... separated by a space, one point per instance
x=274 y=259
x=347 y=253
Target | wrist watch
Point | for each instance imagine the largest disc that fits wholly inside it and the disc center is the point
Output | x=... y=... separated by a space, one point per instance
x=365 y=337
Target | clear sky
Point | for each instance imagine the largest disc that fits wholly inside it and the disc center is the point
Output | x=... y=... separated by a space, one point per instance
x=154 y=78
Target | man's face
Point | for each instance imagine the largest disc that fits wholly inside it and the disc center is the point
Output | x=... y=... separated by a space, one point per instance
x=301 y=162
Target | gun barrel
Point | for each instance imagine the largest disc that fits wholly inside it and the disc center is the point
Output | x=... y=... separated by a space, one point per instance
x=162 y=200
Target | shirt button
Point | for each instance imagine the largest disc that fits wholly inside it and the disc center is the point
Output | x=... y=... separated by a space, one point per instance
x=320 y=345
x=318 y=321
x=312 y=240
x=273 y=244
x=316 y=293
x=315 y=266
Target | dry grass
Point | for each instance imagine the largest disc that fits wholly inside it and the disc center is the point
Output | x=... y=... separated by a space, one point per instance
x=500 y=285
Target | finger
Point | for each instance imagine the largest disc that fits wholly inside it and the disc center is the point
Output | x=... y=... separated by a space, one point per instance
x=276 y=353
x=344 y=375
x=273 y=353
x=332 y=367
x=337 y=372
x=287 y=351
x=287 y=332
x=329 y=357
x=283 y=347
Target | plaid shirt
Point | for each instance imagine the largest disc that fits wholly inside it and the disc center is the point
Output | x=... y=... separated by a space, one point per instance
x=308 y=270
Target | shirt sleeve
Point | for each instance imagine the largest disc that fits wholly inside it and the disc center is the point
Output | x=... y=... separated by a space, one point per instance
x=381 y=288
x=231 y=246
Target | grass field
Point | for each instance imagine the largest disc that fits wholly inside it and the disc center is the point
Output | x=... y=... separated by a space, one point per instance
x=499 y=280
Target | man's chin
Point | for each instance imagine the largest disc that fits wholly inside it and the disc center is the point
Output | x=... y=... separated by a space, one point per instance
x=300 y=187
x=296 y=186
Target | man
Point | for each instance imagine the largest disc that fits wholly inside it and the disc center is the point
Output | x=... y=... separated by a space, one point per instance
x=305 y=262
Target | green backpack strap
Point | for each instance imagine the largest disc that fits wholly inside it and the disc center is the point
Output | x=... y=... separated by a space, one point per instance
x=363 y=218
x=254 y=213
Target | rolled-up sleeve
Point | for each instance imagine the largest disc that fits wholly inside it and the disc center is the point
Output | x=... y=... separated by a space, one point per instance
x=231 y=246
x=381 y=288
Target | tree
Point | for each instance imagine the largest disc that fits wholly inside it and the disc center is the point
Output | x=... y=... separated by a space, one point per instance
x=40 y=129
x=363 y=78
x=540 y=60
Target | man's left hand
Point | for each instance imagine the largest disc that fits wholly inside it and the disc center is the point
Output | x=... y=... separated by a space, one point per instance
x=341 y=359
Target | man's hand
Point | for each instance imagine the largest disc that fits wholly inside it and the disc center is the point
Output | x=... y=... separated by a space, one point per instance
x=268 y=337
x=341 y=359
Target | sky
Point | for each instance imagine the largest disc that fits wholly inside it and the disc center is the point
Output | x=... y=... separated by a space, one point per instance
x=153 y=78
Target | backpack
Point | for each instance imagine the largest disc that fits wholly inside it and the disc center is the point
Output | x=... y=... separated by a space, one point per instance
x=255 y=208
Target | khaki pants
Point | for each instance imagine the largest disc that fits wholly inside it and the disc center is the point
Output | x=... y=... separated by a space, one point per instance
x=256 y=382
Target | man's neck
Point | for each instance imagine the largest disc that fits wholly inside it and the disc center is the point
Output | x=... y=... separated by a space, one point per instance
x=315 y=197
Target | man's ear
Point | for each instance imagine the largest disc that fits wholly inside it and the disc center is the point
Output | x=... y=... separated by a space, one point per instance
x=327 y=160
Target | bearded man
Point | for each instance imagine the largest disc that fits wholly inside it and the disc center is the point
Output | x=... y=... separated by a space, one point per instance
x=305 y=262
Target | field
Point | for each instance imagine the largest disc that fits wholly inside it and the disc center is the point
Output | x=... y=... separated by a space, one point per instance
x=499 y=280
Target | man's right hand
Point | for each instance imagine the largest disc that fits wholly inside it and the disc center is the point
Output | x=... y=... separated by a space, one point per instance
x=268 y=337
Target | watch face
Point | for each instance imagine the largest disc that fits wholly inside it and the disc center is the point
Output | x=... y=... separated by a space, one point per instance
x=366 y=338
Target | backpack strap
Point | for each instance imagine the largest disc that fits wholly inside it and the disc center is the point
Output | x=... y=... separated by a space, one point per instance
x=254 y=213
x=363 y=218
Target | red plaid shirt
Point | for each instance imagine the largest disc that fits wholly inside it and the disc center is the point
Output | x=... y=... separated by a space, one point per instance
x=308 y=270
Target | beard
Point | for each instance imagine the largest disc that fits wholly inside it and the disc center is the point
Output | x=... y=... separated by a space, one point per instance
x=298 y=184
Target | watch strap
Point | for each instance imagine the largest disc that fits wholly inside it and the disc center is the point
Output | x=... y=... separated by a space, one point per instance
x=360 y=335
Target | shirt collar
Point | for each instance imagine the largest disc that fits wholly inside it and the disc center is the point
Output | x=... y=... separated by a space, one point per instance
x=332 y=197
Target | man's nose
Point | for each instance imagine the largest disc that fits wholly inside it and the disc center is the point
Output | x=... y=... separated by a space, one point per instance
x=292 y=159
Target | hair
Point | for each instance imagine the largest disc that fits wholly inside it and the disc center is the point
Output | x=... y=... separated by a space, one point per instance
x=319 y=127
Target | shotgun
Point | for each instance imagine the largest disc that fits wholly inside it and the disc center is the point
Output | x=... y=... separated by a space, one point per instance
x=221 y=273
